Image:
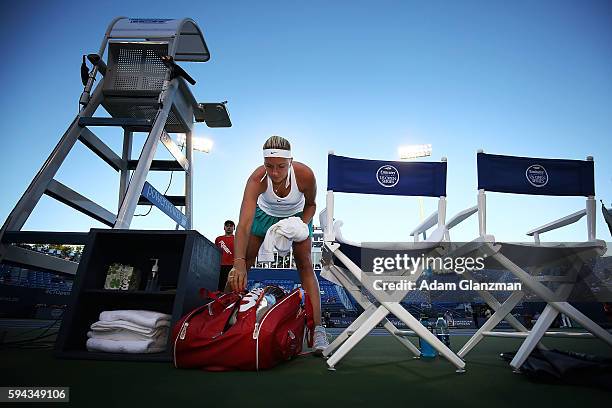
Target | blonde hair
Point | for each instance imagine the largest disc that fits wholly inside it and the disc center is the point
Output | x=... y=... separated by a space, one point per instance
x=277 y=142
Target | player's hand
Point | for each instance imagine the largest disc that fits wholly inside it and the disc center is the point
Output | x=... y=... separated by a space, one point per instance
x=237 y=278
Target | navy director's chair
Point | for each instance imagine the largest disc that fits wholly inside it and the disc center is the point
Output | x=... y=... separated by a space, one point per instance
x=530 y=263
x=342 y=258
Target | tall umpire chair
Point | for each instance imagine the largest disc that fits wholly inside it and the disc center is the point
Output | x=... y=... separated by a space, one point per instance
x=143 y=90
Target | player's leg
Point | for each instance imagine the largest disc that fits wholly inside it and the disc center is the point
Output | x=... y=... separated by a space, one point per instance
x=303 y=261
x=252 y=250
x=223 y=273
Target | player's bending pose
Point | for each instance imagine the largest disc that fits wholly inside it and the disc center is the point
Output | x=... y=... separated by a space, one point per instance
x=279 y=189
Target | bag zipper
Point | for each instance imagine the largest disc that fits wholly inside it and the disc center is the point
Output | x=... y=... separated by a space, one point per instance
x=258 y=328
x=183 y=331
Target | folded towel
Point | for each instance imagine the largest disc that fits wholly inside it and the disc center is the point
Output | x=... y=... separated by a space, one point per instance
x=146 y=318
x=123 y=334
x=125 y=325
x=280 y=236
x=126 y=346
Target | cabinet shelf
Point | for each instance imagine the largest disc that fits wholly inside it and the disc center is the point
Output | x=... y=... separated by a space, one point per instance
x=187 y=261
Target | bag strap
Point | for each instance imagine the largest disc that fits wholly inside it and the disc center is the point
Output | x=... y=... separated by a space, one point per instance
x=217 y=296
x=209 y=294
x=310 y=326
x=263 y=294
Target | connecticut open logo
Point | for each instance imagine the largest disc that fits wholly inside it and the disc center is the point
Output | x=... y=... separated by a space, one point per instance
x=536 y=175
x=387 y=176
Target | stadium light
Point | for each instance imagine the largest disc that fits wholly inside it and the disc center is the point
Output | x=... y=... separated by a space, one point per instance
x=414 y=151
x=408 y=152
x=201 y=144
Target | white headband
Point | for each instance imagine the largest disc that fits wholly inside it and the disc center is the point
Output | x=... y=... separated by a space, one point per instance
x=285 y=154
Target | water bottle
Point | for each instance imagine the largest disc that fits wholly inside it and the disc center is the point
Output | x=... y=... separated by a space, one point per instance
x=426 y=350
x=271 y=296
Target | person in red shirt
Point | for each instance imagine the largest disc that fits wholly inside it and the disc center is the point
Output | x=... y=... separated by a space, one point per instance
x=225 y=243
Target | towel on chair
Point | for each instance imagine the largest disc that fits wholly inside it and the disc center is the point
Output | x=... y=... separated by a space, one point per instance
x=280 y=236
x=126 y=346
x=146 y=318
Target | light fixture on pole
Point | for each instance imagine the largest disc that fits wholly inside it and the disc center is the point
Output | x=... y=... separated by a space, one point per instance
x=201 y=144
x=407 y=152
x=414 y=151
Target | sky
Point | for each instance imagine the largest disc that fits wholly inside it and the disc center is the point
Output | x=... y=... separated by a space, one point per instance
x=361 y=78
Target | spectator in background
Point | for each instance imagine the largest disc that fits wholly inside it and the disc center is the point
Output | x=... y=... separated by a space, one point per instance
x=535 y=318
x=448 y=316
x=566 y=323
x=327 y=319
x=475 y=312
x=226 y=245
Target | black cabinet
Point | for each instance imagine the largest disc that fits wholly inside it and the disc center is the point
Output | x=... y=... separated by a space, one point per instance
x=187 y=262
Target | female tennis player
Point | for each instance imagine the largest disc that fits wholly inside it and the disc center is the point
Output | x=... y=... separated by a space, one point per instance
x=279 y=189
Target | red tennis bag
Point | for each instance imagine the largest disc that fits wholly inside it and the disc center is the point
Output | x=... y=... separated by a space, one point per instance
x=244 y=332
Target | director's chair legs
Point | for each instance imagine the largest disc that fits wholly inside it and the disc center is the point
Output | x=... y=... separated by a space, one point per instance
x=546 y=318
x=501 y=312
x=367 y=326
x=349 y=330
x=402 y=340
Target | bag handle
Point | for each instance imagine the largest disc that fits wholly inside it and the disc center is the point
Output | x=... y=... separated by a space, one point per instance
x=210 y=294
x=310 y=322
x=224 y=298
x=310 y=326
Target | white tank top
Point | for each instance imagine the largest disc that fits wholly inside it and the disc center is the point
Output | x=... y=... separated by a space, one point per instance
x=277 y=206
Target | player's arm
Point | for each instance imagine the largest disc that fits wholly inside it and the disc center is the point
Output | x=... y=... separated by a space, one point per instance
x=243 y=231
x=310 y=193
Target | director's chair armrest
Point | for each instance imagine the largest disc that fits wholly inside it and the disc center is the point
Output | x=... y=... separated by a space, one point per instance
x=461 y=216
x=561 y=222
x=426 y=224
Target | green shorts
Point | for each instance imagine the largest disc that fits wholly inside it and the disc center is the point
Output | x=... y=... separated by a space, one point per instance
x=262 y=221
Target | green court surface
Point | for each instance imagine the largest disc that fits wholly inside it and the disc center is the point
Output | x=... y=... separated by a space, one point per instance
x=377 y=373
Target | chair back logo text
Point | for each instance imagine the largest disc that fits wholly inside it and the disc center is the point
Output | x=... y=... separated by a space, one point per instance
x=387 y=176
x=536 y=175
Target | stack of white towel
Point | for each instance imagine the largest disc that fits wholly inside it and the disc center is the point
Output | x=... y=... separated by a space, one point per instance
x=129 y=331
